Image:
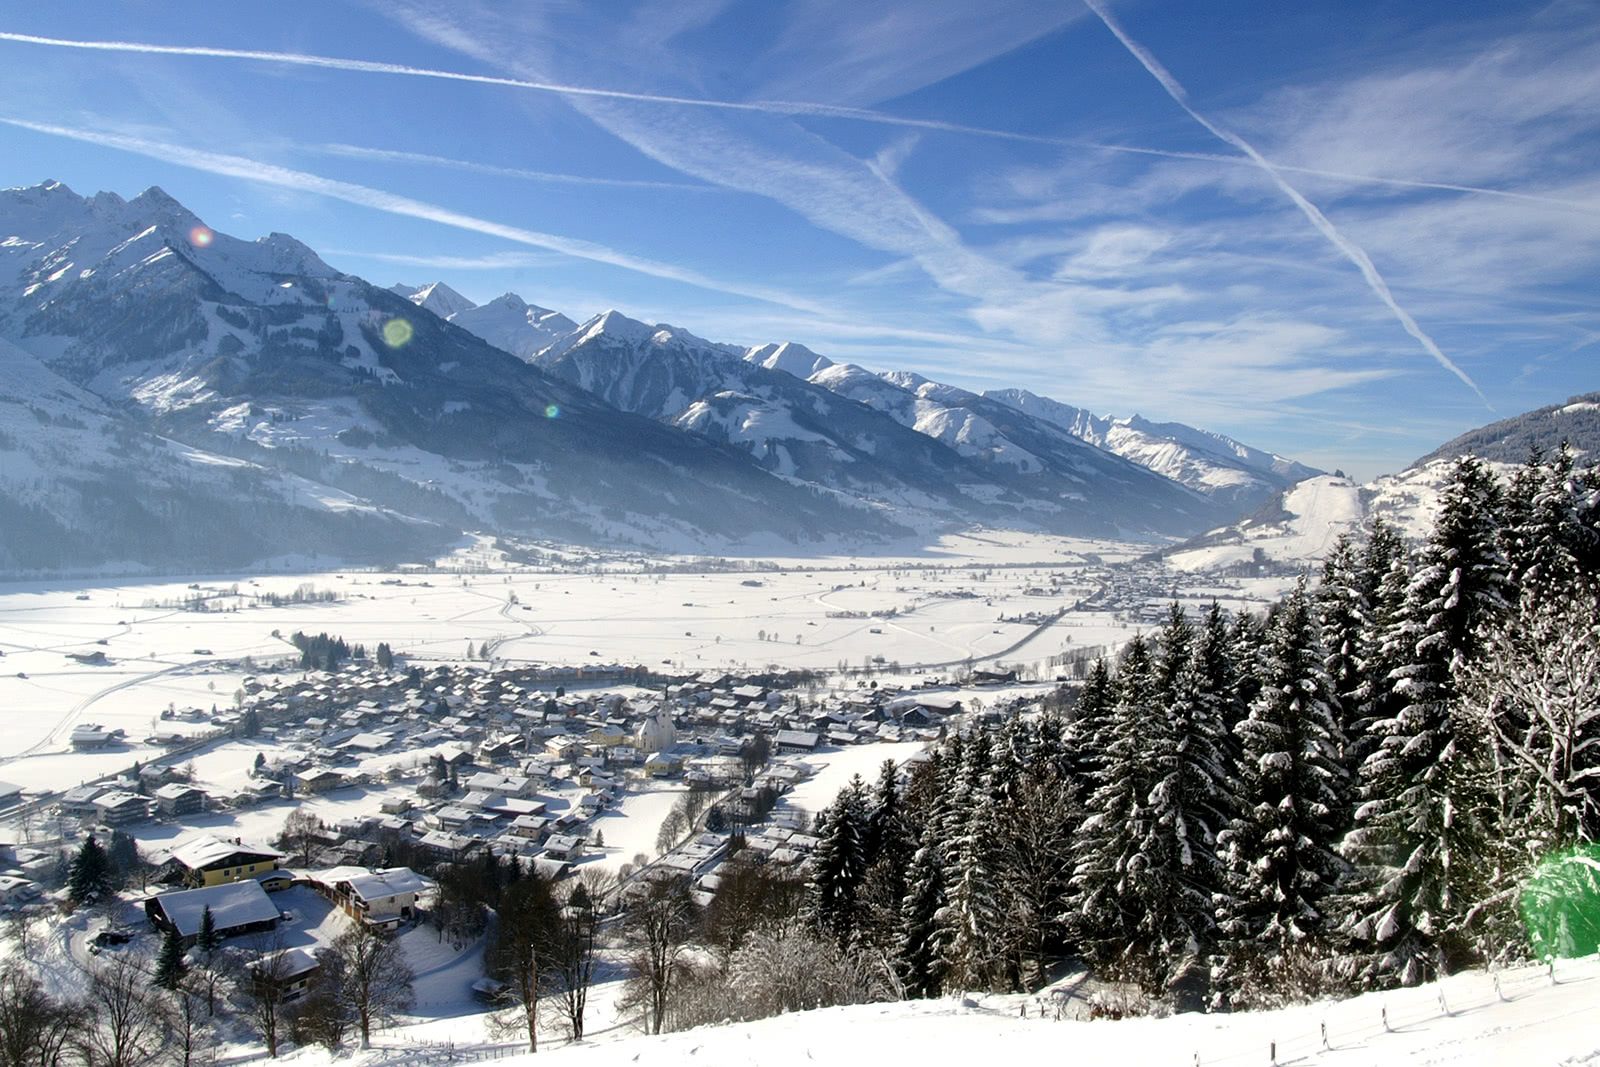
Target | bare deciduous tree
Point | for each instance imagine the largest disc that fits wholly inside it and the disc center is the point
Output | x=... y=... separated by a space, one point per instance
x=260 y=986
x=299 y=835
x=660 y=923
x=36 y=1030
x=369 y=976
x=190 y=1042
x=519 y=956
x=125 y=1019
x=572 y=953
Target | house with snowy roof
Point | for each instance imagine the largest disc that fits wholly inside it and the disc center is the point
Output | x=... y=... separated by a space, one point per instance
x=209 y=860
x=236 y=908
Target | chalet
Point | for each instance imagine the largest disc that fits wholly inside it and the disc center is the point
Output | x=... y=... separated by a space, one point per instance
x=528 y=827
x=449 y=846
x=501 y=784
x=288 y=973
x=209 y=860
x=369 y=742
x=275 y=881
x=119 y=808
x=236 y=908
x=563 y=747
x=662 y=764
x=318 y=780
x=383 y=897
x=795 y=741
x=563 y=847
x=176 y=799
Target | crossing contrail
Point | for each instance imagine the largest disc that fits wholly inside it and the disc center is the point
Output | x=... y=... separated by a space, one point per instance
x=770 y=107
x=1352 y=251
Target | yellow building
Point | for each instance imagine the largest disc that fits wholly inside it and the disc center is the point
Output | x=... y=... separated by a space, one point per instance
x=210 y=860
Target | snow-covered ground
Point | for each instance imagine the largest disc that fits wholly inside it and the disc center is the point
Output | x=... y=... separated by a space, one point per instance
x=927 y=613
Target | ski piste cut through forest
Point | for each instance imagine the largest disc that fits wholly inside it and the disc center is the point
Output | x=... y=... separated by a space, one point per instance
x=1390 y=777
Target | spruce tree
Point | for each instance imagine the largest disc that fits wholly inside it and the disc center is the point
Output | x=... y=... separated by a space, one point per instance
x=1424 y=837
x=170 y=968
x=1190 y=802
x=976 y=934
x=838 y=864
x=1279 y=851
x=208 y=940
x=89 y=878
x=1109 y=877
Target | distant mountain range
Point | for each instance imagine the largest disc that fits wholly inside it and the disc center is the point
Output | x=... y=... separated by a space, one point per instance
x=1510 y=440
x=174 y=397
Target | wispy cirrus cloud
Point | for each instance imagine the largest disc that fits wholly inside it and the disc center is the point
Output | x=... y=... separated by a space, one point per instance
x=444 y=32
x=255 y=170
x=1351 y=251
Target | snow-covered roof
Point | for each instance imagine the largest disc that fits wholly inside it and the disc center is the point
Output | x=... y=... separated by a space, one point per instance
x=391 y=882
x=233 y=904
x=203 y=851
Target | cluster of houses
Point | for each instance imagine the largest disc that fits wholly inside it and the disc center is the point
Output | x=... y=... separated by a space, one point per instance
x=486 y=746
x=233 y=878
x=469 y=759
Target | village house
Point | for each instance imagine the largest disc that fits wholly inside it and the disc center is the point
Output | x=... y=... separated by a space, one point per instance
x=236 y=908
x=288 y=973
x=209 y=860
x=176 y=798
x=119 y=808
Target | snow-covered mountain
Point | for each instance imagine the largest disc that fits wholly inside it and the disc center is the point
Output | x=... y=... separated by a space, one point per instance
x=1577 y=422
x=915 y=445
x=667 y=373
x=1295 y=530
x=508 y=322
x=1207 y=462
x=438 y=298
x=261 y=356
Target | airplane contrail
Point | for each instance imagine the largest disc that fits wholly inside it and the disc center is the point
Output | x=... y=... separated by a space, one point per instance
x=394 y=204
x=1319 y=221
x=770 y=107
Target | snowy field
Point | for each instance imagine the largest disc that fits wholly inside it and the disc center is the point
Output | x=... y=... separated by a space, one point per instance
x=947 y=609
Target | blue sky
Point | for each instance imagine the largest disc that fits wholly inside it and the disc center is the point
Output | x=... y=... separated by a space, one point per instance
x=1342 y=231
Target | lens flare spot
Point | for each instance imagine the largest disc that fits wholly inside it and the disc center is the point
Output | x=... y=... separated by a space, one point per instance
x=551 y=411
x=396 y=332
x=201 y=236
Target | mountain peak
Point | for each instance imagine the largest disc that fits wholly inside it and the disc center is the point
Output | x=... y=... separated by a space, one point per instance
x=436 y=297
x=789 y=357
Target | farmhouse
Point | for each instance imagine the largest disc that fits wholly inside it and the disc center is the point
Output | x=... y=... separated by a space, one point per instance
x=236 y=908
x=89 y=736
x=795 y=741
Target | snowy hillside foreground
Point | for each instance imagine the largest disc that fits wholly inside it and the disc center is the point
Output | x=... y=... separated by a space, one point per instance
x=1516 y=1017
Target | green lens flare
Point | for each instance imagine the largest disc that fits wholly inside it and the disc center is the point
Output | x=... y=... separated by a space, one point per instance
x=1561 y=904
x=551 y=411
x=396 y=332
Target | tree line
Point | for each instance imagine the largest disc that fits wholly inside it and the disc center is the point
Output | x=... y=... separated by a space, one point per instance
x=1349 y=793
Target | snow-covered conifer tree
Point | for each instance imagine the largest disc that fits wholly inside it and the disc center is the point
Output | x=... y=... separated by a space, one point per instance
x=1279 y=851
